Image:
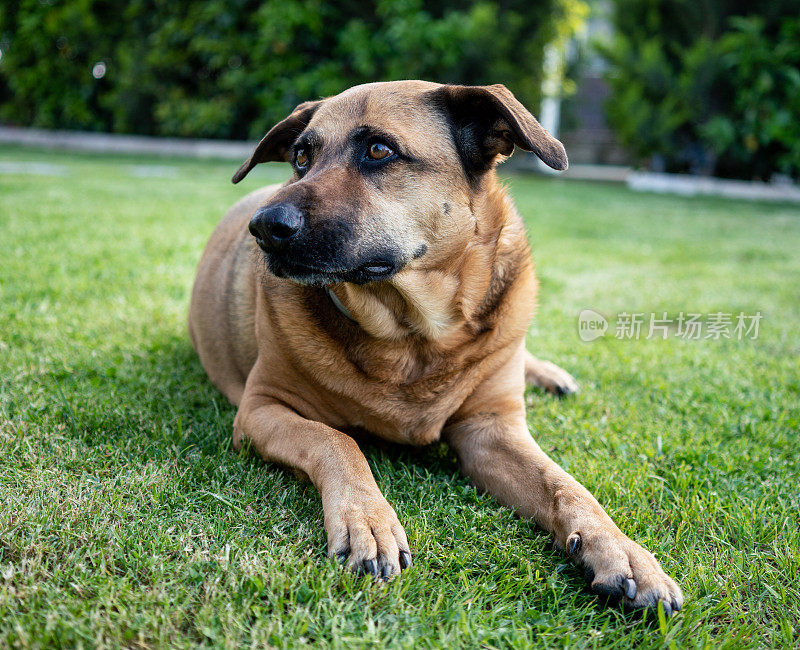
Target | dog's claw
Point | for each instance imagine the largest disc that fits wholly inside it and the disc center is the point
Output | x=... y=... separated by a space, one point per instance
x=630 y=589
x=405 y=559
x=371 y=566
x=667 y=608
x=574 y=543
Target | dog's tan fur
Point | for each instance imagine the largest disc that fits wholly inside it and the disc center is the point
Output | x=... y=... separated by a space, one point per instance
x=434 y=352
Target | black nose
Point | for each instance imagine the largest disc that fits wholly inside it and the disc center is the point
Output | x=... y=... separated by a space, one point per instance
x=276 y=224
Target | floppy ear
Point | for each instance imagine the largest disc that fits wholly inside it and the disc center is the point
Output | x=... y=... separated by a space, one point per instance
x=489 y=120
x=274 y=147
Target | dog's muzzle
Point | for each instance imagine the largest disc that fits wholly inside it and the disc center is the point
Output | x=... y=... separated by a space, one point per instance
x=320 y=254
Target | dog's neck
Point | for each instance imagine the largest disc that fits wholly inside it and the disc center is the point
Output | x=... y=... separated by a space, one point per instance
x=446 y=304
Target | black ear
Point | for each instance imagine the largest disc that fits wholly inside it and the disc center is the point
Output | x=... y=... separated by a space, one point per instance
x=274 y=147
x=489 y=120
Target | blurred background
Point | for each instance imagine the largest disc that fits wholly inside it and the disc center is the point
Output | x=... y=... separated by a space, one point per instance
x=706 y=87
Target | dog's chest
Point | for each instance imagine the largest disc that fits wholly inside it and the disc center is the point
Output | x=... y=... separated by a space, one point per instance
x=397 y=422
x=413 y=413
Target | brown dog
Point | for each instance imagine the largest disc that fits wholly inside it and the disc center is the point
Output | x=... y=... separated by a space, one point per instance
x=387 y=287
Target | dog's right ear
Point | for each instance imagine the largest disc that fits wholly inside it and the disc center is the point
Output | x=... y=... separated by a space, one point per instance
x=274 y=147
x=488 y=121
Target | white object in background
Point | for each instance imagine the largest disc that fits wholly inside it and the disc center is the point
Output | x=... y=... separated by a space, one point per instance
x=550 y=112
x=686 y=185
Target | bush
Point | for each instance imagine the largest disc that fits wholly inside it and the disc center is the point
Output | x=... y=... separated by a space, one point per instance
x=707 y=88
x=231 y=68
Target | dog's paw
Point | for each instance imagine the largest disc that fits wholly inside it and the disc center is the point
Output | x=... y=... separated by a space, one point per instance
x=550 y=377
x=619 y=570
x=365 y=535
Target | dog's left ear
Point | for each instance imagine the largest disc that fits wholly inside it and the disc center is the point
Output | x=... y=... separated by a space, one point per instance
x=488 y=121
x=274 y=147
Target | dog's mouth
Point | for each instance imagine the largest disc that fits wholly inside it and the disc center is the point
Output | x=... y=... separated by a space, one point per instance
x=373 y=270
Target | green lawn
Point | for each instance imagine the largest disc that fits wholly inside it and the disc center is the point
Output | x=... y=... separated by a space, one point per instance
x=127 y=520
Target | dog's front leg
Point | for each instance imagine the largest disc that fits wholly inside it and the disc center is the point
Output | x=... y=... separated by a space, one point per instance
x=495 y=449
x=363 y=529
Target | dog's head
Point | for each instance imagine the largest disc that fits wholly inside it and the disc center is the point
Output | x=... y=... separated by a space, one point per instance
x=386 y=176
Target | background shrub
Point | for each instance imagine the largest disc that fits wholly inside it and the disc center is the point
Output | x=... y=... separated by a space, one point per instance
x=707 y=87
x=229 y=69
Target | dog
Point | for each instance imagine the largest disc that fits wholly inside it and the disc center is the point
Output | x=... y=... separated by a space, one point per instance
x=386 y=289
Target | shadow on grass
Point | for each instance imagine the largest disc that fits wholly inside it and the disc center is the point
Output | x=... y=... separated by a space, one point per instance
x=143 y=398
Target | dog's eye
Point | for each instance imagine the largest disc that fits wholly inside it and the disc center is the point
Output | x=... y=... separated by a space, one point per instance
x=379 y=151
x=301 y=158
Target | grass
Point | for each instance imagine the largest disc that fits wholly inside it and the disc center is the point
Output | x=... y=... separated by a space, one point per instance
x=127 y=520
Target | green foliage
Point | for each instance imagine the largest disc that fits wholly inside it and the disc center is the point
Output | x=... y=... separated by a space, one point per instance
x=707 y=87
x=762 y=75
x=232 y=68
